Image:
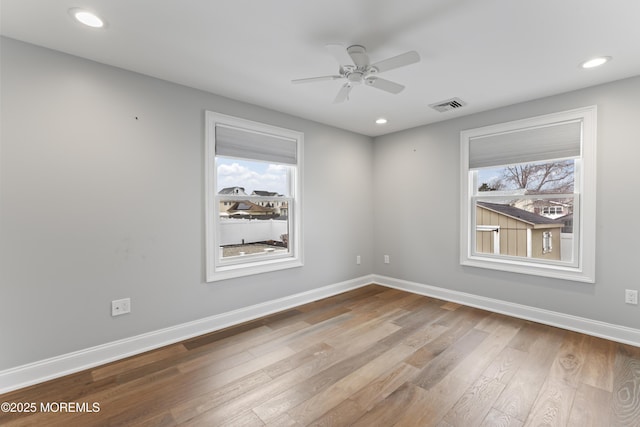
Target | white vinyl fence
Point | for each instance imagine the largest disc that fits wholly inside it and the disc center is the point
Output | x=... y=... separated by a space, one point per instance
x=566 y=246
x=237 y=231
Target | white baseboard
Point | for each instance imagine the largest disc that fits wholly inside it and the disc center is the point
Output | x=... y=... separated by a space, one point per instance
x=58 y=366
x=44 y=370
x=583 y=325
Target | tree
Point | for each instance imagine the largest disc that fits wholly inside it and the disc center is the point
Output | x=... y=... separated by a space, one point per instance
x=486 y=187
x=550 y=177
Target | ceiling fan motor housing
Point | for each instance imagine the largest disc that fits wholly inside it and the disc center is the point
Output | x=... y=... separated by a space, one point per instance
x=362 y=70
x=355 y=77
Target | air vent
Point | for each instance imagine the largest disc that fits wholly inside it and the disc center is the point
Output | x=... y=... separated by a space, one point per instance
x=448 y=105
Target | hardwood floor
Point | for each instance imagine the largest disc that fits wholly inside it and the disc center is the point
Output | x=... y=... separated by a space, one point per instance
x=370 y=357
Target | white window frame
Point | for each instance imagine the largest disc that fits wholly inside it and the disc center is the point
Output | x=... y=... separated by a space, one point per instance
x=217 y=268
x=583 y=267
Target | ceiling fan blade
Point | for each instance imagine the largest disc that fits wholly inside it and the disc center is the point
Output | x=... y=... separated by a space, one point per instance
x=315 y=79
x=397 y=61
x=386 y=85
x=359 y=55
x=340 y=54
x=343 y=94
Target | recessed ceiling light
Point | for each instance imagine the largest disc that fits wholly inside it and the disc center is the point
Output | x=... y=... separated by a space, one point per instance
x=596 y=62
x=87 y=18
x=381 y=121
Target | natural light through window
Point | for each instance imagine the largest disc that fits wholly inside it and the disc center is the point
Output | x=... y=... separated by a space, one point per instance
x=528 y=196
x=253 y=197
x=521 y=204
x=253 y=208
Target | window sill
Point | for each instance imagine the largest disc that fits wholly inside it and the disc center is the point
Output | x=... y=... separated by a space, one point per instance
x=544 y=270
x=249 y=269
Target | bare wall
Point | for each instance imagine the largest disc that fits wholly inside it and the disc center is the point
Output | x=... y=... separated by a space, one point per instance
x=417 y=209
x=102 y=197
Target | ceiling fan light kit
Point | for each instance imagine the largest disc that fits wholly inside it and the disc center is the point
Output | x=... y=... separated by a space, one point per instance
x=356 y=68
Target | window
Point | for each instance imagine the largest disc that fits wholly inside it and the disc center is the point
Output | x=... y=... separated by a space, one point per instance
x=253 y=197
x=528 y=196
x=546 y=242
x=552 y=210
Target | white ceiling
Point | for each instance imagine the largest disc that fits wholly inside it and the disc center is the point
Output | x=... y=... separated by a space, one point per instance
x=489 y=53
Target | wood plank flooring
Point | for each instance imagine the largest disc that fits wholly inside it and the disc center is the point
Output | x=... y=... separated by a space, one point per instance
x=370 y=357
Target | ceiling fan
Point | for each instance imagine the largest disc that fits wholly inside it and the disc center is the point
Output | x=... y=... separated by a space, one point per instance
x=356 y=69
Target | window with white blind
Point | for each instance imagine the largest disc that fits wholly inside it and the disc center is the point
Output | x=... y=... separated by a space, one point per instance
x=253 y=197
x=528 y=196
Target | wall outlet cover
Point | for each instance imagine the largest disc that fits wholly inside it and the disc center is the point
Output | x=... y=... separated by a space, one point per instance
x=120 y=306
x=631 y=296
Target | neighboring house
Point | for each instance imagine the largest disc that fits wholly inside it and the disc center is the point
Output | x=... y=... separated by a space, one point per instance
x=548 y=208
x=265 y=193
x=567 y=221
x=234 y=191
x=552 y=208
x=273 y=208
x=279 y=205
x=553 y=211
x=508 y=230
x=247 y=209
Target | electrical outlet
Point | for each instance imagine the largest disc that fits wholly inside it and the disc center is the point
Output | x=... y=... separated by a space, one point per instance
x=631 y=296
x=386 y=259
x=120 y=306
x=358 y=259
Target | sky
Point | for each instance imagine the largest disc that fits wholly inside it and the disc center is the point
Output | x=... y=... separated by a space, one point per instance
x=252 y=175
x=488 y=175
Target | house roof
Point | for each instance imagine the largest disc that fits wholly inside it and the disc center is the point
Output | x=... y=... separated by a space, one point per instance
x=247 y=206
x=520 y=214
x=564 y=218
x=265 y=193
x=230 y=190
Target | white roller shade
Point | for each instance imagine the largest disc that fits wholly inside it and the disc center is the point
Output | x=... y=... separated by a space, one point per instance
x=245 y=144
x=557 y=141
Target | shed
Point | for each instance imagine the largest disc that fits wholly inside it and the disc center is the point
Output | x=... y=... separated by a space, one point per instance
x=507 y=230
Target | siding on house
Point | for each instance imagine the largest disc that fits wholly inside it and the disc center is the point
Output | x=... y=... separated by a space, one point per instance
x=515 y=226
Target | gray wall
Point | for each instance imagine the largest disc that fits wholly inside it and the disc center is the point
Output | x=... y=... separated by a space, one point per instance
x=101 y=179
x=416 y=196
x=97 y=205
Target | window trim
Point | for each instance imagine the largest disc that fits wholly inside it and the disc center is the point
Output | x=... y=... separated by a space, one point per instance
x=585 y=175
x=216 y=271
